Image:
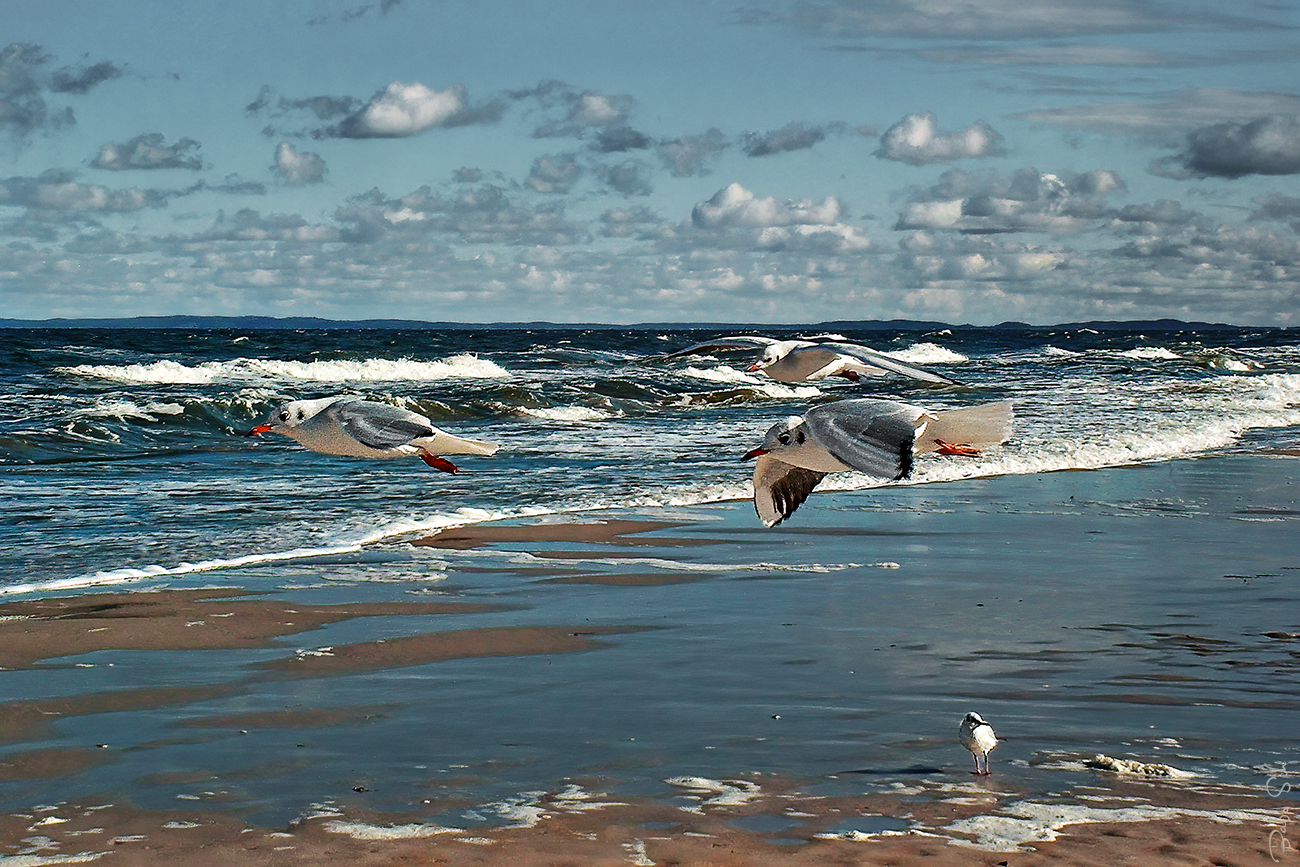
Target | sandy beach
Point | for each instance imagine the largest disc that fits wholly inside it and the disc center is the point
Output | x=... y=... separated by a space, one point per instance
x=683 y=687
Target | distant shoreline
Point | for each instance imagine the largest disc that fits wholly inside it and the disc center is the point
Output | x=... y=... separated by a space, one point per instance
x=311 y=323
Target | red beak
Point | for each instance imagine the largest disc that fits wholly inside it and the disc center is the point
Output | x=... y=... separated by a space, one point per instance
x=261 y=428
x=758 y=452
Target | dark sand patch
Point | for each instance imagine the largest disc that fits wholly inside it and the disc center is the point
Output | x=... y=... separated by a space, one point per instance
x=49 y=763
x=175 y=620
x=612 y=531
x=33 y=720
x=439 y=646
x=586 y=827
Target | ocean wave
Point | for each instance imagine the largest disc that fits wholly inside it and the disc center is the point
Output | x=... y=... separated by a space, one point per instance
x=1151 y=353
x=125 y=409
x=927 y=353
x=565 y=413
x=167 y=372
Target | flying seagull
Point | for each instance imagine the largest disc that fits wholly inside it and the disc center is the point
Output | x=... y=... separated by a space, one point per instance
x=359 y=428
x=872 y=435
x=803 y=360
x=977 y=736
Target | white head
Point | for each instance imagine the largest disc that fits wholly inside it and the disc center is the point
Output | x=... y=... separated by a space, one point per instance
x=783 y=436
x=774 y=352
x=286 y=417
x=973 y=719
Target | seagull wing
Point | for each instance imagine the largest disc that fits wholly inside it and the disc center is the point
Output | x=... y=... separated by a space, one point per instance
x=780 y=488
x=872 y=436
x=379 y=425
x=738 y=343
x=881 y=363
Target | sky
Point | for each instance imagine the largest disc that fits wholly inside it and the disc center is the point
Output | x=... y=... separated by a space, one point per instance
x=762 y=161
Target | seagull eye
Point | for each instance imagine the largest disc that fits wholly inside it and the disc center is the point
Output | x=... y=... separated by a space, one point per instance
x=284 y=415
x=784 y=439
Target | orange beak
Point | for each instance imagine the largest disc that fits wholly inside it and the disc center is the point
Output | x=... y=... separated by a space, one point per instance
x=261 y=428
x=758 y=452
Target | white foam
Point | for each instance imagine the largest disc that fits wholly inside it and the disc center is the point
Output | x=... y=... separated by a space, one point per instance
x=363 y=831
x=124 y=409
x=566 y=413
x=167 y=372
x=1151 y=353
x=42 y=860
x=1025 y=822
x=717 y=793
x=927 y=353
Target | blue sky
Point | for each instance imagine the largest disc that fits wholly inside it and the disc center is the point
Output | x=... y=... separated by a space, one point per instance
x=779 y=161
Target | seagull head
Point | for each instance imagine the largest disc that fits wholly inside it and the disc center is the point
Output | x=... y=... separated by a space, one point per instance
x=783 y=435
x=973 y=719
x=774 y=352
x=286 y=417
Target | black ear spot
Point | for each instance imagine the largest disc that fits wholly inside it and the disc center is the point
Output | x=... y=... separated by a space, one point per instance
x=799 y=437
x=301 y=415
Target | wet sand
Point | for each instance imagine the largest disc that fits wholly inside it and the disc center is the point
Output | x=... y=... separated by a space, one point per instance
x=174 y=704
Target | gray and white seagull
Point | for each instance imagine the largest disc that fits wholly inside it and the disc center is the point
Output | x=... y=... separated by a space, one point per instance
x=353 y=427
x=804 y=360
x=871 y=435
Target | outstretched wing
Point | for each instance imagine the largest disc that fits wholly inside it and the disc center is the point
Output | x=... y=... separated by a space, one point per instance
x=780 y=488
x=873 y=436
x=872 y=358
x=379 y=425
x=738 y=343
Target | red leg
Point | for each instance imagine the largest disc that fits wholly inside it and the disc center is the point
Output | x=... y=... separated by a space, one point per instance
x=438 y=463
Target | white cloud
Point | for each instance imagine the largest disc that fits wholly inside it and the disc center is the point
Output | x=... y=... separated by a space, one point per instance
x=736 y=207
x=997 y=19
x=1025 y=201
x=298 y=167
x=1267 y=145
x=402 y=110
x=149 y=151
x=1168 y=122
x=692 y=155
x=917 y=140
x=554 y=173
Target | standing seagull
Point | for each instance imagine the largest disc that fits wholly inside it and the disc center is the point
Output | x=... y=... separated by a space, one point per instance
x=872 y=435
x=359 y=428
x=803 y=360
x=977 y=736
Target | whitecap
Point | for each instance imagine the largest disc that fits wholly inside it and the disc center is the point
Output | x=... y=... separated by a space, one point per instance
x=168 y=372
x=565 y=413
x=927 y=353
x=1151 y=353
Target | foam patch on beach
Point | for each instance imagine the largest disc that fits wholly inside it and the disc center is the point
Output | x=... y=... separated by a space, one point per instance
x=716 y=793
x=363 y=831
x=167 y=372
x=1018 y=825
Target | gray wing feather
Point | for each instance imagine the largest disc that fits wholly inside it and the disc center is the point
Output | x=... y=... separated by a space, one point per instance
x=379 y=425
x=893 y=365
x=780 y=488
x=739 y=343
x=873 y=436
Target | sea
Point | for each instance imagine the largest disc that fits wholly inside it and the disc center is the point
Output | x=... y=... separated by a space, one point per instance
x=1098 y=584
